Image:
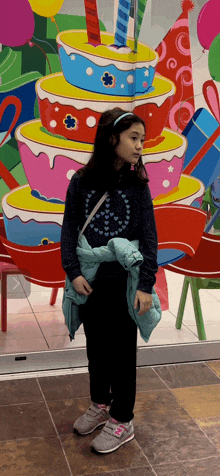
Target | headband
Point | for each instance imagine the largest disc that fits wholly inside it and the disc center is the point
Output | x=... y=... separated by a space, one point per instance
x=121 y=117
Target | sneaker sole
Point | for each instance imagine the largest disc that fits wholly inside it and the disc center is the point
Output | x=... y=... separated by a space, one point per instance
x=113 y=449
x=94 y=428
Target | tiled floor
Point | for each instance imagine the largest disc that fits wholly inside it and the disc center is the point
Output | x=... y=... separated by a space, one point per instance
x=177 y=425
x=34 y=325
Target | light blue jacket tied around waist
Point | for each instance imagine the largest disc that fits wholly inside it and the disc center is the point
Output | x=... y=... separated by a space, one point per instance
x=128 y=255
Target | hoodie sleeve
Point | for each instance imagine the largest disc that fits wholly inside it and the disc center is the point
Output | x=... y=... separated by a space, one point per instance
x=70 y=230
x=147 y=244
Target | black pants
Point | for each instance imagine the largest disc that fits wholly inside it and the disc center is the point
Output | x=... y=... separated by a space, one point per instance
x=111 y=337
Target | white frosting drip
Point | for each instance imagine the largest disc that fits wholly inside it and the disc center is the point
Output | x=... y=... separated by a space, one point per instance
x=123 y=50
x=97 y=106
x=168 y=155
x=26 y=215
x=100 y=61
x=52 y=151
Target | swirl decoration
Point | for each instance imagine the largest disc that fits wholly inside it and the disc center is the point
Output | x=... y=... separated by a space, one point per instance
x=175 y=64
x=179 y=121
x=171 y=63
x=162 y=51
x=179 y=43
x=186 y=79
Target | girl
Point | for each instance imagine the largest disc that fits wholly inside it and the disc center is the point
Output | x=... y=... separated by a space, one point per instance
x=111 y=333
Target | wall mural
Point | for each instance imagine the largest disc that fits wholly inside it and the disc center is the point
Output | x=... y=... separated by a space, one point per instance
x=53 y=91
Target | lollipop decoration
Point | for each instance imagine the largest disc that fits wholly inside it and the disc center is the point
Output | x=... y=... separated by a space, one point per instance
x=124 y=7
x=211 y=96
x=92 y=22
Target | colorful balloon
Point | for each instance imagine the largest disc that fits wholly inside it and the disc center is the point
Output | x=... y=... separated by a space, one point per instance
x=46 y=8
x=16 y=22
x=213 y=59
x=208 y=24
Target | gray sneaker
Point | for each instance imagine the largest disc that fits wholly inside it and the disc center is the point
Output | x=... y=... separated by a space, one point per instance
x=93 y=418
x=113 y=435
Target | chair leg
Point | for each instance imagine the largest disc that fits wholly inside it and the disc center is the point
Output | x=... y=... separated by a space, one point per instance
x=182 y=303
x=53 y=296
x=3 y=301
x=197 y=309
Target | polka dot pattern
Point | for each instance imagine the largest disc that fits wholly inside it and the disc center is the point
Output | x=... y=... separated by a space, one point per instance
x=91 y=121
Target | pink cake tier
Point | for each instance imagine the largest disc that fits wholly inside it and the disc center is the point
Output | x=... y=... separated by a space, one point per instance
x=164 y=163
x=74 y=113
x=50 y=162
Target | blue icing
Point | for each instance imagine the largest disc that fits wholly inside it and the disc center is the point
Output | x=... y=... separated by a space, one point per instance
x=37 y=194
x=104 y=79
x=31 y=233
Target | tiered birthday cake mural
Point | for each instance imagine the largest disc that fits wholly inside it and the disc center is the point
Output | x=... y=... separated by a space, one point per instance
x=96 y=77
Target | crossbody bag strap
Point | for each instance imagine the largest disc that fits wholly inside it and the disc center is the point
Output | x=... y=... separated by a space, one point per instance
x=93 y=212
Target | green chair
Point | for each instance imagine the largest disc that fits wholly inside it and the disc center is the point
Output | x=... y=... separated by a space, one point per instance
x=196 y=284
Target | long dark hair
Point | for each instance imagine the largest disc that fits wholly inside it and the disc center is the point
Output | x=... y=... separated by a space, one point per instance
x=99 y=172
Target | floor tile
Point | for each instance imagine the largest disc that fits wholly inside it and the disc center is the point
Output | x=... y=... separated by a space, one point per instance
x=63 y=341
x=214 y=293
x=19 y=391
x=215 y=366
x=158 y=406
x=202 y=467
x=66 y=412
x=187 y=375
x=65 y=386
x=140 y=471
x=147 y=380
x=211 y=427
x=167 y=320
x=40 y=301
x=52 y=323
x=37 y=456
x=10 y=346
x=211 y=332
x=25 y=421
x=89 y=462
x=210 y=313
x=166 y=336
x=200 y=402
x=18 y=305
x=209 y=306
x=22 y=325
x=173 y=441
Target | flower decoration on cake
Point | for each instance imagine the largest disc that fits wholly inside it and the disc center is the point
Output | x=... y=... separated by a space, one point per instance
x=71 y=122
x=45 y=241
x=108 y=80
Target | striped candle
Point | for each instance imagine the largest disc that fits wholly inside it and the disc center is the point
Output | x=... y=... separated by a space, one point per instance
x=140 y=13
x=122 y=22
x=92 y=22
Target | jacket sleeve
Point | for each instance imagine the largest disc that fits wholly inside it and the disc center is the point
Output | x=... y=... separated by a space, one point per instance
x=70 y=231
x=147 y=244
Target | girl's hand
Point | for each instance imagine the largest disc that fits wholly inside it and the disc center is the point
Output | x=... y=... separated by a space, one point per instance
x=144 y=300
x=82 y=286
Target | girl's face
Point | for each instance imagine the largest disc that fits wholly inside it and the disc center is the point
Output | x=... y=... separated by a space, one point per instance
x=130 y=146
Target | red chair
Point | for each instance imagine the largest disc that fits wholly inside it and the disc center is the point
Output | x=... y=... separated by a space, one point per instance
x=7 y=267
